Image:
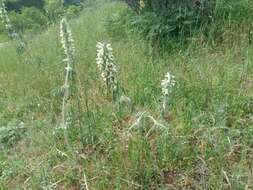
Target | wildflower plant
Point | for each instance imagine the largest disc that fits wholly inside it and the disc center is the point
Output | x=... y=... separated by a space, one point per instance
x=4 y=16
x=167 y=84
x=142 y=4
x=13 y=35
x=69 y=59
x=107 y=67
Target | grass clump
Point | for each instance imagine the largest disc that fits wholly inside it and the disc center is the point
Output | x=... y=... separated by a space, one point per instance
x=162 y=23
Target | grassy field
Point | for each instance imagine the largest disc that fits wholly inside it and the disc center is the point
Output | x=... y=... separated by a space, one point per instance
x=208 y=139
x=3 y=38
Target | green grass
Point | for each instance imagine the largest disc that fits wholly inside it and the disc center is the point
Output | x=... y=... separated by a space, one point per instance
x=3 y=38
x=209 y=136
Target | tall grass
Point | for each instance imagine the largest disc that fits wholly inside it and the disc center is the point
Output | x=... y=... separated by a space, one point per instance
x=205 y=141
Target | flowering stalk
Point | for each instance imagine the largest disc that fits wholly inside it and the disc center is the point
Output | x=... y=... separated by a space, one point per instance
x=68 y=46
x=105 y=63
x=142 y=4
x=9 y=28
x=4 y=17
x=69 y=53
x=167 y=84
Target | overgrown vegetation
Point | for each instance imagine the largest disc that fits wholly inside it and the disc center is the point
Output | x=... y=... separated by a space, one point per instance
x=161 y=22
x=183 y=119
x=34 y=16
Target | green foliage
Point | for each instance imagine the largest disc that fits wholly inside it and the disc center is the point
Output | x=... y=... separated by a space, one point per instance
x=11 y=133
x=29 y=19
x=34 y=16
x=161 y=22
x=54 y=10
x=73 y=11
x=17 y=5
x=207 y=141
x=118 y=24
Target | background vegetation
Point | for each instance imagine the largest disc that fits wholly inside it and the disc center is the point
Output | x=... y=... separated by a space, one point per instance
x=35 y=16
x=163 y=21
x=208 y=140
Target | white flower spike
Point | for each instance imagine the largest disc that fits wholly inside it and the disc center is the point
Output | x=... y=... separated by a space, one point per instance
x=167 y=84
x=105 y=63
x=69 y=53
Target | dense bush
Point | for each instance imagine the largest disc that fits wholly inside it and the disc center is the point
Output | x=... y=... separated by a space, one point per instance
x=17 y=5
x=29 y=18
x=54 y=10
x=73 y=11
x=34 y=16
x=160 y=21
x=161 y=5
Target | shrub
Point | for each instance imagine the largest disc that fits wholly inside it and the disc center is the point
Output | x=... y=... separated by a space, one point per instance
x=35 y=16
x=17 y=5
x=29 y=18
x=54 y=10
x=72 y=11
x=161 y=5
x=11 y=134
x=119 y=23
x=160 y=21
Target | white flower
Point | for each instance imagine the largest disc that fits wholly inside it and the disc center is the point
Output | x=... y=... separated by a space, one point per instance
x=142 y=4
x=5 y=18
x=167 y=83
x=105 y=63
x=68 y=46
x=67 y=42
